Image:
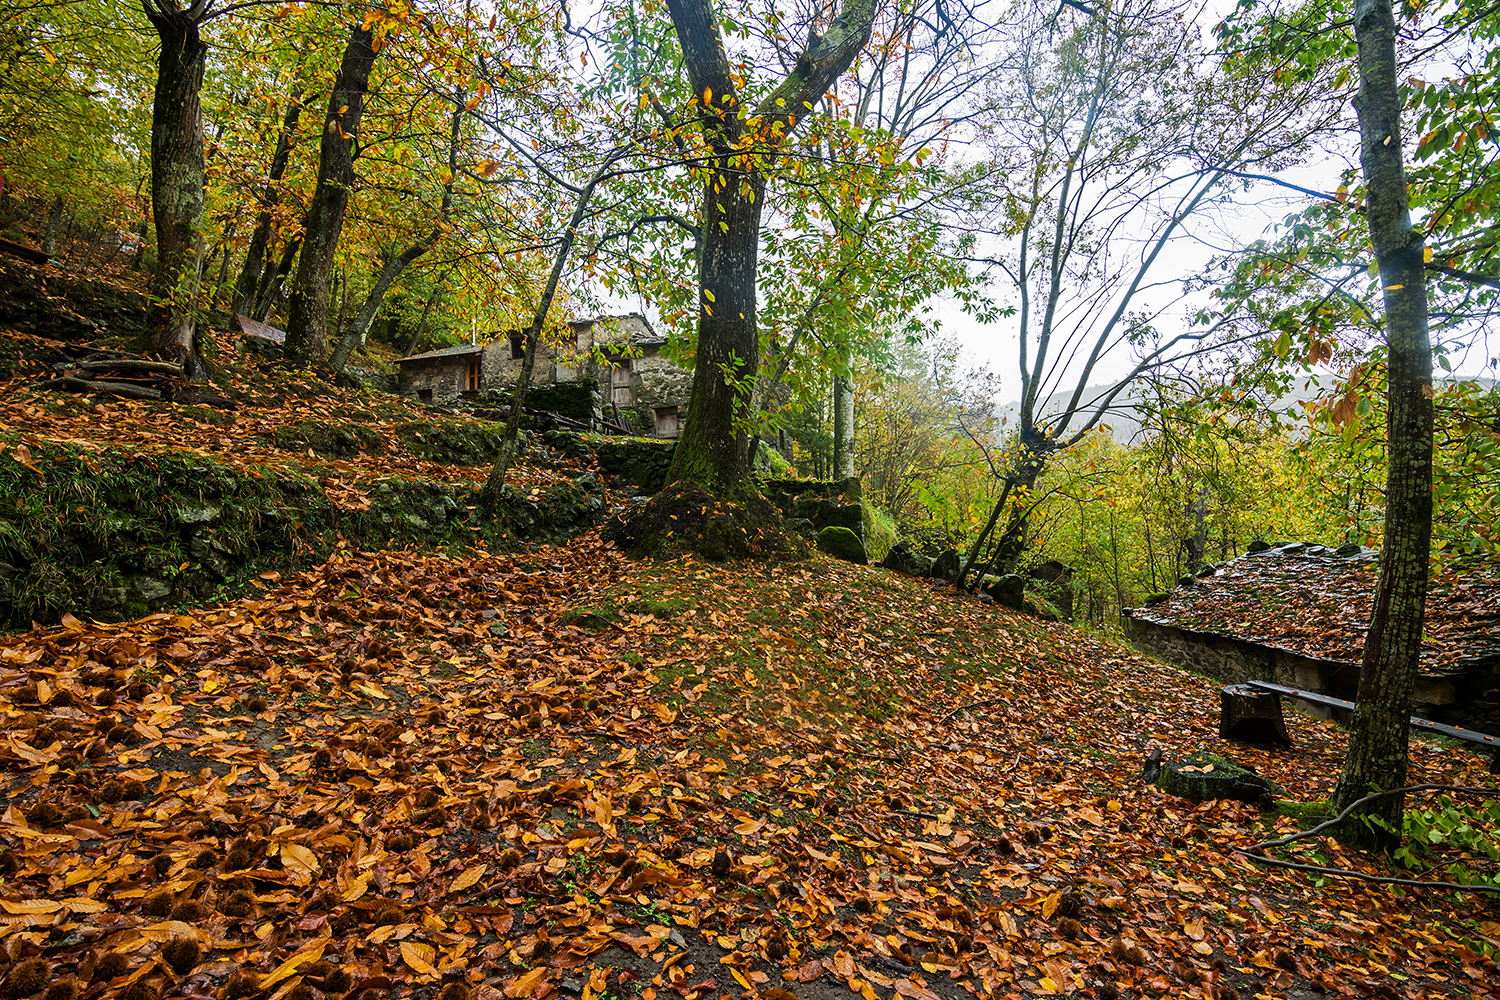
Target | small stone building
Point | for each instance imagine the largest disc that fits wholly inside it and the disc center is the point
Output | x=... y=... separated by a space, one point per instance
x=619 y=358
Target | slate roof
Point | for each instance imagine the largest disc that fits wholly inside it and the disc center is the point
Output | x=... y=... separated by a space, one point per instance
x=445 y=352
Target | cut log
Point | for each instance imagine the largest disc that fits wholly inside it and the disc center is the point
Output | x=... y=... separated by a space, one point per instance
x=132 y=365
x=1252 y=716
x=121 y=389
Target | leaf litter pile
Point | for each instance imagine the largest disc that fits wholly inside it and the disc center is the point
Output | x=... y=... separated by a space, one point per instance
x=562 y=773
x=1320 y=605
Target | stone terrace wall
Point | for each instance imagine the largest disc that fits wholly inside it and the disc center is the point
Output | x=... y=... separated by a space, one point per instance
x=1234 y=661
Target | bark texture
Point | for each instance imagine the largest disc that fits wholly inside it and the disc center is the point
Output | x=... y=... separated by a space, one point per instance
x=1377 y=756
x=711 y=451
x=177 y=179
x=307 y=318
x=843 y=427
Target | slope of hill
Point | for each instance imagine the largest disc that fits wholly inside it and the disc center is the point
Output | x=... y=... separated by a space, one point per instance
x=471 y=774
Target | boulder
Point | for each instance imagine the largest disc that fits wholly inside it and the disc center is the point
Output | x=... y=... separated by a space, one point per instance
x=946 y=565
x=902 y=559
x=841 y=543
x=1258 y=545
x=1009 y=591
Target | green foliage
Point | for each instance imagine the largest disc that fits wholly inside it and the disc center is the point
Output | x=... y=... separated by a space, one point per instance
x=881 y=532
x=1448 y=837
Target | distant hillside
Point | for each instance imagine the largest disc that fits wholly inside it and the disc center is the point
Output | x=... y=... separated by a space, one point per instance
x=1125 y=418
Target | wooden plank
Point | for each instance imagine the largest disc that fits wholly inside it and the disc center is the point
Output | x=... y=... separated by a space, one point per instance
x=24 y=252
x=1426 y=725
x=255 y=328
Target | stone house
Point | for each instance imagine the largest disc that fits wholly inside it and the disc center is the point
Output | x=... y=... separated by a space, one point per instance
x=617 y=359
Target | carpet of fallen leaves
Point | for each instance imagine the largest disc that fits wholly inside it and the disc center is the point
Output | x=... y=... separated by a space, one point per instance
x=1320 y=606
x=562 y=772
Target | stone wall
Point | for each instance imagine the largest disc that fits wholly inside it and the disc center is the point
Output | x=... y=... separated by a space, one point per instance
x=444 y=377
x=658 y=384
x=1233 y=661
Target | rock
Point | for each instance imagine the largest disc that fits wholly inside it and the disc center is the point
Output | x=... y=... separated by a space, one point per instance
x=799 y=526
x=1207 y=570
x=1008 y=591
x=198 y=517
x=1186 y=581
x=1349 y=549
x=842 y=543
x=1258 y=545
x=946 y=565
x=1206 y=776
x=902 y=559
x=151 y=588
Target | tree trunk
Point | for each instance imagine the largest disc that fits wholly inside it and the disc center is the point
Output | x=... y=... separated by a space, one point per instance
x=711 y=450
x=416 y=335
x=307 y=319
x=489 y=496
x=177 y=181
x=393 y=266
x=1378 y=741
x=54 y=223
x=271 y=286
x=843 y=427
x=389 y=271
x=244 y=288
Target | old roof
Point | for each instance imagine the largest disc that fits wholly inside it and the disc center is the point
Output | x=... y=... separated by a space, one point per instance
x=446 y=352
x=1315 y=601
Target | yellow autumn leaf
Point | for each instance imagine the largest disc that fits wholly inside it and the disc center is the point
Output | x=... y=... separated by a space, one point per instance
x=468 y=878
x=1047 y=984
x=300 y=859
x=419 y=956
x=291 y=965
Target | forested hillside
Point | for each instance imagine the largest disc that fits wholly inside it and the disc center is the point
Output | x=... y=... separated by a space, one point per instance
x=317 y=685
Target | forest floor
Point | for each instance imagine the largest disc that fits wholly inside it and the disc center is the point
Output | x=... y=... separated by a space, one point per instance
x=559 y=771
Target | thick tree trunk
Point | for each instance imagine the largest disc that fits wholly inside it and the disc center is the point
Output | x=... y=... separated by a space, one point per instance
x=1377 y=756
x=711 y=450
x=843 y=427
x=270 y=196
x=177 y=182
x=307 y=319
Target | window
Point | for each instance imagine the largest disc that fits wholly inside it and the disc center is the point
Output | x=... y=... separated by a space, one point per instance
x=517 y=346
x=473 y=383
x=666 y=422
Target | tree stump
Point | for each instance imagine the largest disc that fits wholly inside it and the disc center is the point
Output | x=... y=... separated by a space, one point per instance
x=1205 y=776
x=1252 y=716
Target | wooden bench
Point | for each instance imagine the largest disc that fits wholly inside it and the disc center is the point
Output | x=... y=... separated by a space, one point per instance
x=1489 y=743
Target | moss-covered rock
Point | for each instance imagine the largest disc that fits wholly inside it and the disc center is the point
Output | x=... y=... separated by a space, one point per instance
x=1208 y=776
x=842 y=543
x=327 y=440
x=453 y=442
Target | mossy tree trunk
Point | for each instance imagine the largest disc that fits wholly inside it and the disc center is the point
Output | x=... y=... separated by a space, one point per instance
x=307 y=319
x=1377 y=756
x=177 y=179
x=711 y=451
